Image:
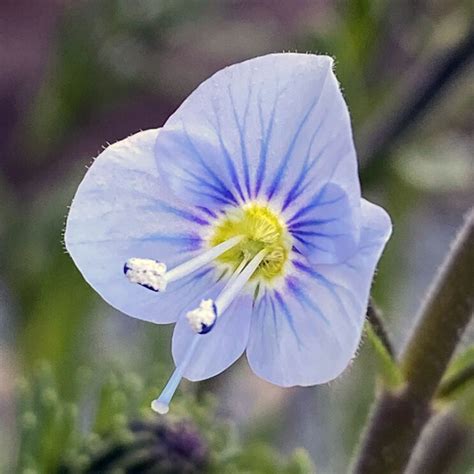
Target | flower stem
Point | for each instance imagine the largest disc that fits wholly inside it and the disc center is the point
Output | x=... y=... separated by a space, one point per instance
x=446 y=313
x=400 y=414
x=446 y=438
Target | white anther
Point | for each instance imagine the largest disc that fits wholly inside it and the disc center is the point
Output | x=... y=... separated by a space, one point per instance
x=203 y=318
x=155 y=276
x=146 y=272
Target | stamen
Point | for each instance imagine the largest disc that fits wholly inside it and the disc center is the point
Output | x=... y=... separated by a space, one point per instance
x=202 y=319
x=236 y=282
x=153 y=275
x=231 y=291
x=236 y=273
x=146 y=272
x=197 y=262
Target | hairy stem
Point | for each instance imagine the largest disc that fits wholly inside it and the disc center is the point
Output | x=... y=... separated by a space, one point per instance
x=400 y=415
x=440 y=447
x=446 y=313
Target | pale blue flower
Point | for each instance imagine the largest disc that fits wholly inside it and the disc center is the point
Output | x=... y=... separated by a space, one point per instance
x=244 y=212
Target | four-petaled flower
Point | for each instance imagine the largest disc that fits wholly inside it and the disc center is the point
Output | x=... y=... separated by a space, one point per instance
x=244 y=213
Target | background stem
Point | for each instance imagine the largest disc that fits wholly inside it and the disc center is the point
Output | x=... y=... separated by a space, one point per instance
x=446 y=438
x=400 y=415
x=416 y=94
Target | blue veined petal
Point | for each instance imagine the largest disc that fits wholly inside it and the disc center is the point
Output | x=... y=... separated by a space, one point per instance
x=327 y=228
x=119 y=212
x=272 y=128
x=219 y=348
x=308 y=332
x=190 y=163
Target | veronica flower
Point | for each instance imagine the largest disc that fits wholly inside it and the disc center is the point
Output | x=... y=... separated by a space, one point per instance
x=241 y=220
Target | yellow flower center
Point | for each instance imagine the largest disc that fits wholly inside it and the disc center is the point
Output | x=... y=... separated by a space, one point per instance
x=262 y=229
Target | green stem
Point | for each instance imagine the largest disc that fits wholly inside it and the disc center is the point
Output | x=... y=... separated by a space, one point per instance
x=440 y=448
x=445 y=315
x=400 y=415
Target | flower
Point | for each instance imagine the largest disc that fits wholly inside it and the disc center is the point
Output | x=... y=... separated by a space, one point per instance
x=241 y=220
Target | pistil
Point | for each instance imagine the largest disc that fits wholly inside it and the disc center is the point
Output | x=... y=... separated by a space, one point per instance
x=233 y=287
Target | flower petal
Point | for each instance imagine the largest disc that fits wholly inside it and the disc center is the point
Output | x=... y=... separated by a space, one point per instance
x=326 y=230
x=308 y=333
x=221 y=347
x=119 y=212
x=273 y=128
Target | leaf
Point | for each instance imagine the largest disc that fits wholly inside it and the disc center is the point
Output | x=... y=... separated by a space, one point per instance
x=459 y=376
x=387 y=366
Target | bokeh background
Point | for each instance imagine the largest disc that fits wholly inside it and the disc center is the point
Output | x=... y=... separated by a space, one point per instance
x=76 y=75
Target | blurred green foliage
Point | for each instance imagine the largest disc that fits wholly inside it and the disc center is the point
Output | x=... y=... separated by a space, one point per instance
x=101 y=58
x=112 y=429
